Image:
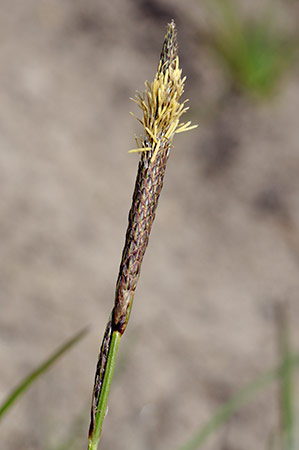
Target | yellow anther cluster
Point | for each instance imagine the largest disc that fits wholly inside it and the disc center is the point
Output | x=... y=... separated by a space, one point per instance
x=162 y=110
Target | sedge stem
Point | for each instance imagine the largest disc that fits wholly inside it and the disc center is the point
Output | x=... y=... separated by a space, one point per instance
x=102 y=405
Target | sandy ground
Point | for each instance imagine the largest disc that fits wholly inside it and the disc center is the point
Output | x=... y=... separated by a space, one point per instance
x=223 y=251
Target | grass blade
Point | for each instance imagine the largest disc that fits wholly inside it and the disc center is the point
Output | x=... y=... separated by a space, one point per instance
x=287 y=432
x=246 y=394
x=27 y=381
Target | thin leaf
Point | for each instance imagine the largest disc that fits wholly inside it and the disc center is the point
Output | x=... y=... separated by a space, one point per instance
x=287 y=384
x=27 y=381
x=246 y=394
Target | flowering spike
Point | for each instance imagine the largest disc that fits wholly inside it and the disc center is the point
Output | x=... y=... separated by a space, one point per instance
x=161 y=114
x=160 y=101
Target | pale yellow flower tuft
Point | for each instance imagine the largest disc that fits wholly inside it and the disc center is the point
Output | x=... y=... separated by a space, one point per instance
x=162 y=110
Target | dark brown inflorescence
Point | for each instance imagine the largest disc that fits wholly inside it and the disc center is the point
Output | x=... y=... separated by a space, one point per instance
x=161 y=113
x=100 y=372
x=170 y=47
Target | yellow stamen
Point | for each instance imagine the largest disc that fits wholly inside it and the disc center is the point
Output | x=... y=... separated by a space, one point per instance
x=162 y=110
x=142 y=149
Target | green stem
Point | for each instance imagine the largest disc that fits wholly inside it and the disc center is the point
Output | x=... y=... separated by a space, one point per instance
x=102 y=405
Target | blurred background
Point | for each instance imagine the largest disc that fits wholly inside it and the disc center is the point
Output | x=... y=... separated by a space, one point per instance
x=224 y=252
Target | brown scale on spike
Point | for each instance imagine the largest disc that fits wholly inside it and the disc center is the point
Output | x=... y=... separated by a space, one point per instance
x=161 y=112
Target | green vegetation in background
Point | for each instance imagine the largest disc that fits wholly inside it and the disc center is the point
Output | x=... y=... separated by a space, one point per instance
x=287 y=435
x=254 y=52
x=248 y=393
x=33 y=376
x=284 y=374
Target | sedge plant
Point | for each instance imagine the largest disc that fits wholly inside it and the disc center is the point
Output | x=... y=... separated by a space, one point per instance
x=161 y=112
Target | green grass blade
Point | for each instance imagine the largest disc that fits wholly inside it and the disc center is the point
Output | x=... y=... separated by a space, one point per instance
x=27 y=381
x=102 y=405
x=246 y=394
x=287 y=409
x=287 y=431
